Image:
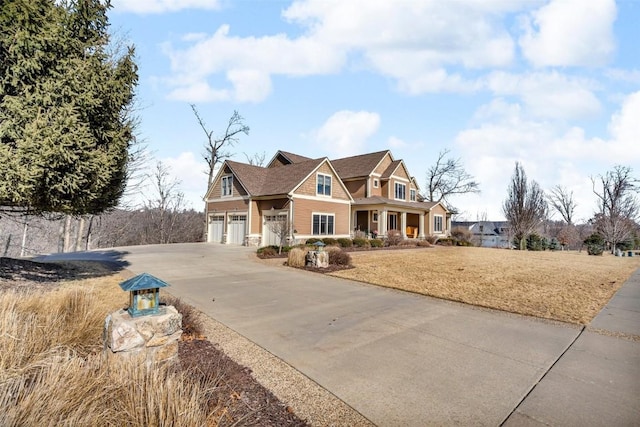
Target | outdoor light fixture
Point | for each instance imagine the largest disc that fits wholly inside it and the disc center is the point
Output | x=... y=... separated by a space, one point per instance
x=144 y=294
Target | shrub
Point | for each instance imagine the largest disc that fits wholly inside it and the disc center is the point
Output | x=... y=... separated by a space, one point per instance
x=312 y=240
x=345 y=242
x=446 y=241
x=329 y=241
x=554 y=245
x=461 y=234
x=407 y=242
x=376 y=243
x=339 y=257
x=297 y=257
x=595 y=244
x=535 y=242
x=360 y=242
x=431 y=239
x=268 y=252
x=393 y=238
x=424 y=244
x=464 y=243
x=192 y=325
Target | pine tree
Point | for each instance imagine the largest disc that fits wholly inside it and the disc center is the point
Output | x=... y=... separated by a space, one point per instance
x=65 y=108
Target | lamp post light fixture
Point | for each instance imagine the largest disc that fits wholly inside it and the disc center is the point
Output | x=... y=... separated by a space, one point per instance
x=144 y=294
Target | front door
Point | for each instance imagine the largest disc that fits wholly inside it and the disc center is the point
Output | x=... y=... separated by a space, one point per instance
x=393 y=221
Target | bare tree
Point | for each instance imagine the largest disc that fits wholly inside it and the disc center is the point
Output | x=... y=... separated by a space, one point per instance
x=165 y=205
x=447 y=178
x=525 y=207
x=618 y=207
x=562 y=201
x=281 y=227
x=257 y=159
x=216 y=148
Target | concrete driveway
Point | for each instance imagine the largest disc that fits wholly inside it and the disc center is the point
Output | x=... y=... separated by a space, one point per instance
x=407 y=360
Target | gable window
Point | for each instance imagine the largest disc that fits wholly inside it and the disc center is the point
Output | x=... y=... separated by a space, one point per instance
x=376 y=183
x=412 y=195
x=227 y=185
x=323 y=224
x=401 y=191
x=324 y=185
x=437 y=223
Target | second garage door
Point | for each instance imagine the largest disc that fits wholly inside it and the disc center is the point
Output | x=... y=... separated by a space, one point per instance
x=236 y=229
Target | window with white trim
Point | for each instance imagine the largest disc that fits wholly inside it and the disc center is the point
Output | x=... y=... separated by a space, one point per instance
x=412 y=195
x=401 y=191
x=376 y=183
x=227 y=185
x=323 y=224
x=437 y=223
x=323 y=184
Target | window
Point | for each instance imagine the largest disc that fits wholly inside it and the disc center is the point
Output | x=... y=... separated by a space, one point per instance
x=401 y=191
x=374 y=217
x=412 y=195
x=376 y=183
x=323 y=224
x=324 y=184
x=227 y=185
x=437 y=223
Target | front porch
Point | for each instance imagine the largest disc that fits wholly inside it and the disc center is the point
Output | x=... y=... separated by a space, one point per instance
x=377 y=216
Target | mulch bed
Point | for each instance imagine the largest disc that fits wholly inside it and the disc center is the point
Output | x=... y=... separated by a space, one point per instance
x=235 y=396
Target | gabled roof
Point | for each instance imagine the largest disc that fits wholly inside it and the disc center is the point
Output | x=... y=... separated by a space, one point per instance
x=288 y=157
x=358 y=166
x=260 y=181
x=391 y=169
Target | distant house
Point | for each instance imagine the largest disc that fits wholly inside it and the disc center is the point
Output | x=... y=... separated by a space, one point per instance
x=488 y=234
x=371 y=193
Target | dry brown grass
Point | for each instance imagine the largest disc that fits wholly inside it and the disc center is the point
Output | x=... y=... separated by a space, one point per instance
x=52 y=371
x=566 y=286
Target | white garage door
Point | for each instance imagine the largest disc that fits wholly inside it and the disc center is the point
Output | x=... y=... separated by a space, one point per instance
x=274 y=229
x=216 y=228
x=237 y=229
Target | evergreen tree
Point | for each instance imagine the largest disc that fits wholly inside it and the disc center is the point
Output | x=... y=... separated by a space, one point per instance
x=65 y=118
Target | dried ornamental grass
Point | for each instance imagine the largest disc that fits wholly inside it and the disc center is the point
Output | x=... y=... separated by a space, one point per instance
x=297 y=257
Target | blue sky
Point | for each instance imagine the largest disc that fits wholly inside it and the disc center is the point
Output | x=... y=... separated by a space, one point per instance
x=553 y=84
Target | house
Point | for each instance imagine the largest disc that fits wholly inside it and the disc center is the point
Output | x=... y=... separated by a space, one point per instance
x=294 y=198
x=488 y=234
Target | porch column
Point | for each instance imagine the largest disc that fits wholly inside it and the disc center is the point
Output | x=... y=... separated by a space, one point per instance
x=421 y=234
x=382 y=220
x=403 y=224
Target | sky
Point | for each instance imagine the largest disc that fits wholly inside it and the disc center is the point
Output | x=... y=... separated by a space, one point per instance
x=554 y=85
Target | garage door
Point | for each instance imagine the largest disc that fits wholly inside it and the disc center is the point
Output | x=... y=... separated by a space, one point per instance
x=237 y=229
x=274 y=228
x=216 y=228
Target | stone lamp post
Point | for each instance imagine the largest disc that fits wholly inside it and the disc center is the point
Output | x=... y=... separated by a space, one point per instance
x=145 y=329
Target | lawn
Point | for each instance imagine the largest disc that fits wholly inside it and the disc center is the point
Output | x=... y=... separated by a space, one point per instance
x=567 y=286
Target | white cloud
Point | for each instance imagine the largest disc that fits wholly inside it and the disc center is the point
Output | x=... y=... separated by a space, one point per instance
x=551 y=155
x=422 y=45
x=569 y=33
x=162 y=6
x=631 y=76
x=189 y=170
x=548 y=94
x=345 y=133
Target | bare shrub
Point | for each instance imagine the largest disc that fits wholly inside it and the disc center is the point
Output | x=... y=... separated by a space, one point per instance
x=339 y=257
x=408 y=243
x=423 y=244
x=192 y=326
x=461 y=234
x=431 y=239
x=393 y=238
x=297 y=257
